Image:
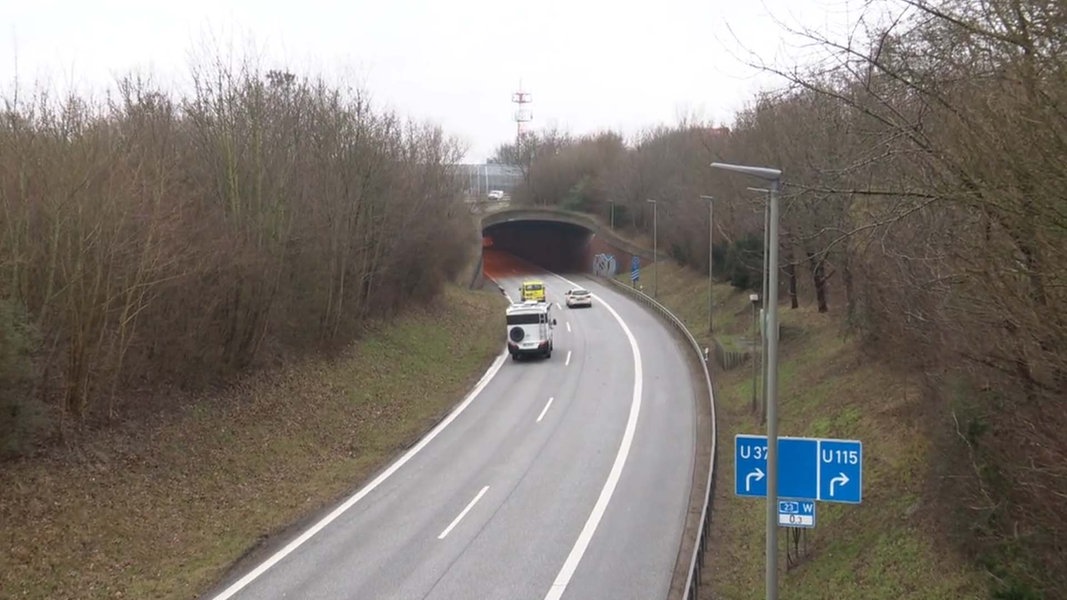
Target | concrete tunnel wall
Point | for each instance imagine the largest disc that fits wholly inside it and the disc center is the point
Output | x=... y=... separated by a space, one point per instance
x=623 y=258
x=552 y=245
x=562 y=241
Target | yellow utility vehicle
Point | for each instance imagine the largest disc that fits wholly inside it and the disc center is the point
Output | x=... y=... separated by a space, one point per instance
x=532 y=289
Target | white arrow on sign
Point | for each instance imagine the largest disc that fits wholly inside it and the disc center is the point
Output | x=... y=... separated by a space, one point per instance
x=758 y=474
x=841 y=478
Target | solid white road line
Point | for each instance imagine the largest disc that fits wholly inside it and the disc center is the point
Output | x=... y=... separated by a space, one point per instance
x=463 y=514
x=544 y=410
x=352 y=500
x=570 y=565
x=568 y=361
x=568 y=326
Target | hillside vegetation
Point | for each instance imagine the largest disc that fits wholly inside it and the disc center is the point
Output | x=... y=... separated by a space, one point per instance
x=923 y=209
x=152 y=241
x=161 y=506
x=899 y=542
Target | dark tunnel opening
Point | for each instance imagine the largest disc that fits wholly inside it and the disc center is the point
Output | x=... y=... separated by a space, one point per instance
x=551 y=245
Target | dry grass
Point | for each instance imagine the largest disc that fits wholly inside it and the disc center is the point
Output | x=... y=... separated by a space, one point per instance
x=161 y=510
x=893 y=545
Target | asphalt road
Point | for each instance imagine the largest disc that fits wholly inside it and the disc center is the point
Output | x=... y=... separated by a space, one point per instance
x=560 y=478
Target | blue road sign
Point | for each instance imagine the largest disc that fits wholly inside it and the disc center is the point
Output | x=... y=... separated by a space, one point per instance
x=841 y=471
x=798 y=459
x=750 y=460
x=796 y=513
x=808 y=468
x=635 y=268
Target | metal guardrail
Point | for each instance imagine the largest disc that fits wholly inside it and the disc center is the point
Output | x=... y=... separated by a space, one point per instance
x=692 y=583
x=478 y=276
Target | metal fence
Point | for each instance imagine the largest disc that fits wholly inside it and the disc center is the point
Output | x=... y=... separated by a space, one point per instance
x=480 y=178
x=729 y=359
x=692 y=583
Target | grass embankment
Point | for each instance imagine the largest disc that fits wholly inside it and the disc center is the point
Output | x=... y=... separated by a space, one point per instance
x=161 y=509
x=894 y=544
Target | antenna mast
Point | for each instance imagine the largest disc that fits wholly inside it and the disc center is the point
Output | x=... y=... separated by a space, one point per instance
x=522 y=115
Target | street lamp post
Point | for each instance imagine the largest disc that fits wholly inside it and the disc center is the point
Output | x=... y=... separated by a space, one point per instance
x=612 y=202
x=711 y=250
x=655 y=249
x=754 y=298
x=773 y=176
x=763 y=292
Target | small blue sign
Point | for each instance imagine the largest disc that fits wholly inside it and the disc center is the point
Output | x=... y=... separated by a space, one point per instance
x=796 y=513
x=635 y=268
x=808 y=468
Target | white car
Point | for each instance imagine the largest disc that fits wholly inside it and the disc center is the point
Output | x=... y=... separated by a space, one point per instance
x=530 y=327
x=578 y=297
x=496 y=194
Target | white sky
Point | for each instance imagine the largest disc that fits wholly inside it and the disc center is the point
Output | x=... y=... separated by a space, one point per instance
x=589 y=64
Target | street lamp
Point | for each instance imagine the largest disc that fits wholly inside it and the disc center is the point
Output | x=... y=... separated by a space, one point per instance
x=711 y=250
x=763 y=291
x=774 y=177
x=655 y=250
x=612 y=202
x=766 y=224
x=754 y=299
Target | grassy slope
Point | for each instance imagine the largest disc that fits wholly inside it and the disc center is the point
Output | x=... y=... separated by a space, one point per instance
x=891 y=546
x=160 y=511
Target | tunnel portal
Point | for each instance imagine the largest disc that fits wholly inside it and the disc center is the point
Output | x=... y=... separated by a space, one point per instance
x=552 y=245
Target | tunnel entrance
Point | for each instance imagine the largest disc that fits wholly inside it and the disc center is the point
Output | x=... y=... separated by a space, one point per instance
x=551 y=245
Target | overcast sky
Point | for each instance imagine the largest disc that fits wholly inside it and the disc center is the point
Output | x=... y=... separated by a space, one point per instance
x=588 y=64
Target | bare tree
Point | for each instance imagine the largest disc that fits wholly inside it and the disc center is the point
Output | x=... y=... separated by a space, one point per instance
x=146 y=239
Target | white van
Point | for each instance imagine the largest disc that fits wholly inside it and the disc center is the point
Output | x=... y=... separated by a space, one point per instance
x=530 y=326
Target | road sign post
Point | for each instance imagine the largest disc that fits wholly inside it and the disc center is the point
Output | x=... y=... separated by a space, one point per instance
x=826 y=470
x=635 y=270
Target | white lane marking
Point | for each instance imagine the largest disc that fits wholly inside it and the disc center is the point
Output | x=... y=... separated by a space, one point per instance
x=568 y=361
x=558 y=306
x=568 y=326
x=463 y=514
x=352 y=500
x=570 y=565
x=544 y=410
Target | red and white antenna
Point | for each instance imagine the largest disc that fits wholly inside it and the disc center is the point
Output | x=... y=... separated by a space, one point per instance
x=522 y=115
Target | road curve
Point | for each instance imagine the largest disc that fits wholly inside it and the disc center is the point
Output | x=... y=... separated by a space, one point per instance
x=555 y=480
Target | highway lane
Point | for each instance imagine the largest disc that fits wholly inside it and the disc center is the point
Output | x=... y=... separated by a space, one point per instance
x=493 y=505
x=635 y=549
